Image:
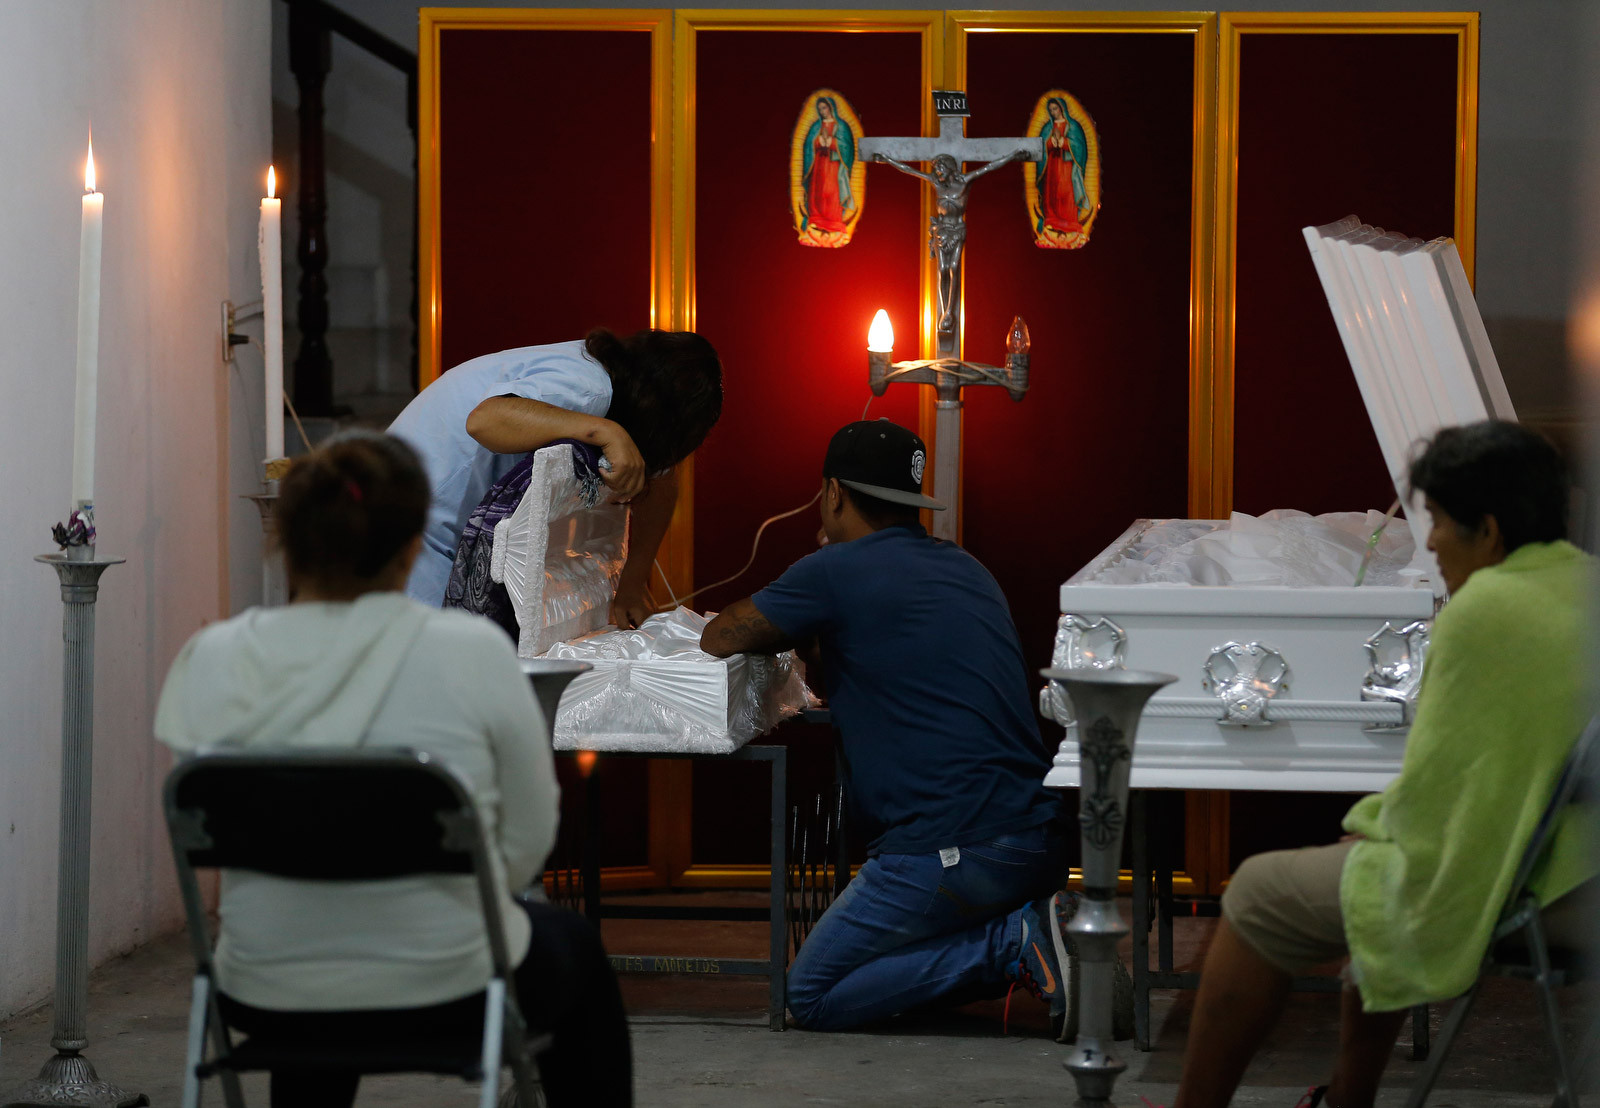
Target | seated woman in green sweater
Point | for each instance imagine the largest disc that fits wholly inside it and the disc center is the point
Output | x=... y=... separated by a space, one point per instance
x=1412 y=892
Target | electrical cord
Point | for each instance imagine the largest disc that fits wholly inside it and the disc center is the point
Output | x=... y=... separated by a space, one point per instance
x=755 y=545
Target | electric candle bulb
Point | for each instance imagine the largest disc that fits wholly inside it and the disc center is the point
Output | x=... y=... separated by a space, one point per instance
x=880 y=336
x=1017 y=340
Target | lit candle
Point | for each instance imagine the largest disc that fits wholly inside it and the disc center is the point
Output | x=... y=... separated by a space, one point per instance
x=83 y=414
x=270 y=241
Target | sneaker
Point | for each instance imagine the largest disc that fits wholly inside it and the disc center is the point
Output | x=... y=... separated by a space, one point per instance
x=1047 y=962
x=1049 y=969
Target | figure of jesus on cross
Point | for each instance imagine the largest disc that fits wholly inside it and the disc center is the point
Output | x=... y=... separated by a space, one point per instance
x=945 y=156
x=949 y=223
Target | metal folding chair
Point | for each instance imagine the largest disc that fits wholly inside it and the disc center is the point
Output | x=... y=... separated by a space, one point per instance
x=355 y=815
x=1533 y=959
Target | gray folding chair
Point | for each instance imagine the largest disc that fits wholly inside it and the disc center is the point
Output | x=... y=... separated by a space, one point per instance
x=350 y=815
x=1533 y=959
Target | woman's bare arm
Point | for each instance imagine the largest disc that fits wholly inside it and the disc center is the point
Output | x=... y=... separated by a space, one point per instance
x=516 y=425
x=648 y=519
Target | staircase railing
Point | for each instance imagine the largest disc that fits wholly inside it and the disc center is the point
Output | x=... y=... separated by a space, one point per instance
x=312 y=23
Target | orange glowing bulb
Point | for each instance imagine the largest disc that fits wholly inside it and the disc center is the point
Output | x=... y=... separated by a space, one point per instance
x=880 y=336
x=88 y=170
x=272 y=182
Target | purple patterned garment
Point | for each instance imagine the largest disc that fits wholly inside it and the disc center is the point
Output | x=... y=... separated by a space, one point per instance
x=471 y=588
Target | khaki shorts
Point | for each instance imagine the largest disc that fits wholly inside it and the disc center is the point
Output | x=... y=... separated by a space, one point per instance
x=1285 y=905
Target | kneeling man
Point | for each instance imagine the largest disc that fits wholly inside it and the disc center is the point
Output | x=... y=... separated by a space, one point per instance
x=927 y=684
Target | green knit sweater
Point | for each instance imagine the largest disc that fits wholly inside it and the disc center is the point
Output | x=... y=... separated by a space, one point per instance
x=1500 y=706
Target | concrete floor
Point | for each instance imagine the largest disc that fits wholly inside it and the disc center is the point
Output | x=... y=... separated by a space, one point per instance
x=700 y=1042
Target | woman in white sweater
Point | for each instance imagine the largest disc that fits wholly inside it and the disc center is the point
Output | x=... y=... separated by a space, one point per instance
x=351 y=662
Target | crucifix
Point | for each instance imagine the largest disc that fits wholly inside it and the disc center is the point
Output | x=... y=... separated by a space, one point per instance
x=946 y=157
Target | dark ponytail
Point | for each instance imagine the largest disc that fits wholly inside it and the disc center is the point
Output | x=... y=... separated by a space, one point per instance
x=666 y=390
x=348 y=507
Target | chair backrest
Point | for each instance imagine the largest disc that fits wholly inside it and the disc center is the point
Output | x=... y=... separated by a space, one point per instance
x=341 y=815
x=346 y=815
x=1580 y=777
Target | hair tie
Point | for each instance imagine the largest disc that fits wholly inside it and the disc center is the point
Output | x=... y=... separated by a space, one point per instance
x=353 y=488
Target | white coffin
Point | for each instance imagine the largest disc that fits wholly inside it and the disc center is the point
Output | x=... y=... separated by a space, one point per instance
x=651 y=690
x=1297 y=686
x=654 y=690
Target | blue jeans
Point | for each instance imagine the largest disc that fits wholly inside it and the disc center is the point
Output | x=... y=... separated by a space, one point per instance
x=908 y=929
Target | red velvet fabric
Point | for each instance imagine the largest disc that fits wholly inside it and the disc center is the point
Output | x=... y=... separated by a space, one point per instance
x=544 y=210
x=1101 y=438
x=1329 y=125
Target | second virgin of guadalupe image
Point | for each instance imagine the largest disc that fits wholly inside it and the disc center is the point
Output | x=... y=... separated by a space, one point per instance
x=1064 y=189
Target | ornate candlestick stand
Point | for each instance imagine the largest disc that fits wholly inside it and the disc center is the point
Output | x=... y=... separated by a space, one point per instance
x=1107 y=704
x=274 y=585
x=68 y=1078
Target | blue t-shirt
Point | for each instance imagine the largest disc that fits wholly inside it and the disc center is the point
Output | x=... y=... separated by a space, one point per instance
x=460 y=471
x=927 y=685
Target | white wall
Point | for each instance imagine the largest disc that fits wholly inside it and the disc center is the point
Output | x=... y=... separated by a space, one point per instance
x=178 y=94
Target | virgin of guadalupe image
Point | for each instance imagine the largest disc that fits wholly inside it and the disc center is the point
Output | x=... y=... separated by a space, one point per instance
x=1064 y=191
x=825 y=188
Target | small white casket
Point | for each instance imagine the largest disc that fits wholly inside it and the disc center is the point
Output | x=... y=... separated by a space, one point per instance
x=652 y=689
x=1291 y=675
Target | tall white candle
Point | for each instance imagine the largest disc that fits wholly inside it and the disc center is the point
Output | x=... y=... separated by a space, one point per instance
x=270 y=241
x=83 y=413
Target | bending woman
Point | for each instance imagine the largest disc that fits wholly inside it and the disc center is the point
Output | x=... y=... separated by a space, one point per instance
x=351 y=662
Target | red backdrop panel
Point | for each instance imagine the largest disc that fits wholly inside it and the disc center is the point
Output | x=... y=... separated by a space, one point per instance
x=544 y=195
x=545 y=232
x=791 y=325
x=1101 y=438
x=1329 y=125
x=790 y=321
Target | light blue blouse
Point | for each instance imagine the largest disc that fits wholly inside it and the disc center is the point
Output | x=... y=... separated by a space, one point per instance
x=461 y=471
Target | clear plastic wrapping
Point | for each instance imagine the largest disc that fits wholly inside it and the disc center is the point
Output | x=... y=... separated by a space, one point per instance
x=654 y=689
x=1282 y=547
x=559 y=554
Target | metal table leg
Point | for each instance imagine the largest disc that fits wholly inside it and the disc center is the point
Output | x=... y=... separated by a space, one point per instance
x=1163 y=860
x=591 y=844
x=1140 y=845
x=778 y=933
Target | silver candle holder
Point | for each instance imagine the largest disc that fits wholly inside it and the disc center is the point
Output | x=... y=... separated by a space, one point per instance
x=1107 y=704
x=68 y=1078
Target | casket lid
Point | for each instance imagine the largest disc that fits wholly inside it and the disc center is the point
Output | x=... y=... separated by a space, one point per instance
x=1415 y=340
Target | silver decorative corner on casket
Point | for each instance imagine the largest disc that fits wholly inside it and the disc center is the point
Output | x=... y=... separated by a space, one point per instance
x=1081 y=643
x=1396 y=655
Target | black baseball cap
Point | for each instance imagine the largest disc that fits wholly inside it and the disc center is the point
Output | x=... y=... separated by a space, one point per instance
x=881 y=459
